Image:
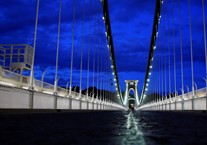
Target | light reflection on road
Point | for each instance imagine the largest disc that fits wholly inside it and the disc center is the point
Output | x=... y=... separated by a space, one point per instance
x=133 y=134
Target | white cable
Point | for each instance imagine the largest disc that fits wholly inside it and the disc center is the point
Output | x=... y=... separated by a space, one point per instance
x=72 y=50
x=34 y=45
x=191 y=47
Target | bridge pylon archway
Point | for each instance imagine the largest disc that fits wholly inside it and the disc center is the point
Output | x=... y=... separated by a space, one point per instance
x=131 y=85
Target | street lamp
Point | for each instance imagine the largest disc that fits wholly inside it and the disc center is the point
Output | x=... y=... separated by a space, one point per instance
x=188 y=91
x=80 y=93
x=43 y=74
x=206 y=85
x=176 y=95
x=55 y=86
x=182 y=93
x=75 y=88
x=66 y=87
x=196 y=88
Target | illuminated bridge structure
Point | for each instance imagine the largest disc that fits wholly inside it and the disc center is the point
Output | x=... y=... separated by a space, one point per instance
x=173 y=64
x=19 y=89
x=165 y=86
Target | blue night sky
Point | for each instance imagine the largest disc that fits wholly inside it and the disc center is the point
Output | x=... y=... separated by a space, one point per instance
x=131 y=24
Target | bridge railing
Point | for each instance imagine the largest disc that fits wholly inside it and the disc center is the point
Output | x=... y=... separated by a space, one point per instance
x=14 y=79
x=200 y=93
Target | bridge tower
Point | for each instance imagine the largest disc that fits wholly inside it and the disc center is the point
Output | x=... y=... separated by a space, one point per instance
x=131 y=85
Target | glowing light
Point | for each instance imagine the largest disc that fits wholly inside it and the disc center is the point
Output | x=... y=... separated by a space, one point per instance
x=103 y=18
x=114 y=79
x=106 y=33
x=147 y=84
x=7 y=84
x=154 y=47
x=150 y=66
x=115 y=84
x=47 y=92
x=112 y=73
x=26 y=88
x=148 y=80
x=112 y=66
x=146 y=89
x=150 y=73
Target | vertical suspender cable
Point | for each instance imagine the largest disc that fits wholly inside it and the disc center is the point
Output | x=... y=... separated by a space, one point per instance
x=89 y=49
x=104 y=66
x=100 y=52
x=34 y=46
x=174 y=49
x=94 y=56
x=81 y=50
x=100 y=97
x=105 y=74
x=169 y=62
x=165 y=69
x=159 y=79
x=160 y=60
x=57 y=49
x=158 y=75
x=72 y=50
x=109 y=84
x=108 y=78
x=191 y=48
x=181 y=47
x=204 y=34
x=163 y=61
x=98 y=60
x=160 y=90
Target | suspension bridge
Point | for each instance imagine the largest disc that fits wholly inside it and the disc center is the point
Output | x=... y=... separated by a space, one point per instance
x=97 y=86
